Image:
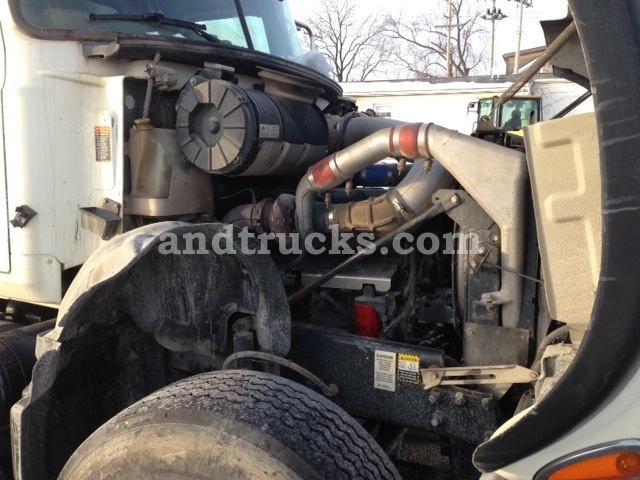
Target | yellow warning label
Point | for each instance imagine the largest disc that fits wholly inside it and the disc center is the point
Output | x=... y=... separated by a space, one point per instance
x=408 y=368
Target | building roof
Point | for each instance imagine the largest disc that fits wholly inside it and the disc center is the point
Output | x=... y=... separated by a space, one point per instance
x=528 y=51
x=482 y=83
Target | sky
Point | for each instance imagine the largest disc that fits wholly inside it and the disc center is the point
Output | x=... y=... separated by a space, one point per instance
x=532 y=35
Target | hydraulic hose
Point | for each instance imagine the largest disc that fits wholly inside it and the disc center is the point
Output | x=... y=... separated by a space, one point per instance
x=537 y=64
x=329 y=390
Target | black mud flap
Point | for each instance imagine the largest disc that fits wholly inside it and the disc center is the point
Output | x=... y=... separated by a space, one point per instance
x=162 y=283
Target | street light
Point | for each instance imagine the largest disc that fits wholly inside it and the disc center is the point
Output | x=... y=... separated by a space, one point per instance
x=493 y=14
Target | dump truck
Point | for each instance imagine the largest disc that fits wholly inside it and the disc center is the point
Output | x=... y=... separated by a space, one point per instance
x=203 y=274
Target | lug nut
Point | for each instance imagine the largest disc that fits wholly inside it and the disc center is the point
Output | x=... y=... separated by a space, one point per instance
x=437 y=419
x=434 y=396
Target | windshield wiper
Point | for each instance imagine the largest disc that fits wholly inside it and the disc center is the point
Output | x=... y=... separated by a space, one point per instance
x=156 y=18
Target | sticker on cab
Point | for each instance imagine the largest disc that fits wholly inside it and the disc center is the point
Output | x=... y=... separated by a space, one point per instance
x=102 y=136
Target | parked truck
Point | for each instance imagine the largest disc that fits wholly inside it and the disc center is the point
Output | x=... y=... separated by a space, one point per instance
x=204 y=276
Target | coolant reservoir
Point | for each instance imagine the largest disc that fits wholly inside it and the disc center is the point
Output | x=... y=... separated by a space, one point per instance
x=153 y=152
x=162 y=184
x=368 y=322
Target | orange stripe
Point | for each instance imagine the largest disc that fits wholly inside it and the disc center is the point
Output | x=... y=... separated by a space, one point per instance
x=409 y=140
x=323 y=175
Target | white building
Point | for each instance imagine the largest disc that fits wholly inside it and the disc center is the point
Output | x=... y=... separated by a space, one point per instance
x=444 y=100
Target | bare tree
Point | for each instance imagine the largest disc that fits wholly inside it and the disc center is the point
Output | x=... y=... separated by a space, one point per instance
x=421 y=42
x=352 y=42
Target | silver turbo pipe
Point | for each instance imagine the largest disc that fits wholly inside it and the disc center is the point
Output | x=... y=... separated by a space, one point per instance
x=347 y=130
x=267 y=215
x=242 y=216
x=494 y=176
x=384 y=213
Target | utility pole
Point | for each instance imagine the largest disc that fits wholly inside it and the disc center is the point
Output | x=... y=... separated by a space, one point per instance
x=494 y=15
x=449 y=26
x=449 y=43
x=521 y=5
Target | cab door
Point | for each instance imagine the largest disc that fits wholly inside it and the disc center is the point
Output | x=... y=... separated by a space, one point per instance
x=5 y=262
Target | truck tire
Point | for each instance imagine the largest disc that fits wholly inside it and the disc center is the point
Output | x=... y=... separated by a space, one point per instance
x=231 y=424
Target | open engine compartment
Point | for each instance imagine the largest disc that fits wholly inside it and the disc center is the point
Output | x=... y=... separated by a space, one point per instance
x=426 y=332
x=395 y=266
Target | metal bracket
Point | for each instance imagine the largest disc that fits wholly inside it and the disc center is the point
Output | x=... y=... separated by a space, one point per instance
x=496 y=178
x=470 y=215
x=165 y=78
x=492 y=299
x=24 y=214
x=111 y=206
x=482 y=256
x=492 y=375
x=101 y=221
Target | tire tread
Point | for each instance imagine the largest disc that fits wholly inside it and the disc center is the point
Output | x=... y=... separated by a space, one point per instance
x=298 y=417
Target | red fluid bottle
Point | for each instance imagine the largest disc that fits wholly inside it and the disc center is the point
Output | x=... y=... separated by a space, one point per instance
x=368 y=322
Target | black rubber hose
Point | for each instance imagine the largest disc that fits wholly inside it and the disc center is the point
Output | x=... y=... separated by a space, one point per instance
x=328 y=390
x=411 y=291
x=548 y=340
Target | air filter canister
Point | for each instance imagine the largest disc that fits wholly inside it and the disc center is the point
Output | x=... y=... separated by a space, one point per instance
x=225 y=129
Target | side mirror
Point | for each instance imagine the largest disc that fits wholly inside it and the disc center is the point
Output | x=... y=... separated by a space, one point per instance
x=472 y=107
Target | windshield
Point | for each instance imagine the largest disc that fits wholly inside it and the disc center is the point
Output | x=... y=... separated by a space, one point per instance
x=514 y=115
x=486 y=107
x=263 y=25
x=519 y=113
